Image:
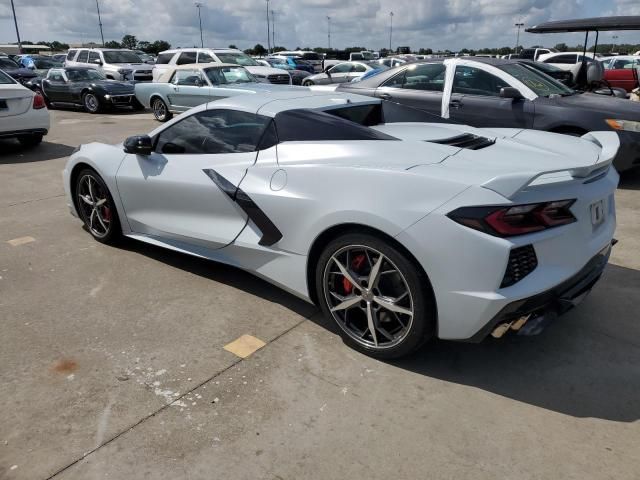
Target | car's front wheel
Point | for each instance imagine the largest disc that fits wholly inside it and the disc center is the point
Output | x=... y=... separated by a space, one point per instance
x=91 y=103
x=377 y=295
x=307 y=83
x=96 y=207
x=160 y=110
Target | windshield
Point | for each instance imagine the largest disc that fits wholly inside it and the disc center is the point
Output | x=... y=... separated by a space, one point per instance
x=5 y=79
x=8 y=63
x=84 y=75
x=542 y=85
x=238 y=59
x=229 y=75
x=121 y=56
x=545 y=67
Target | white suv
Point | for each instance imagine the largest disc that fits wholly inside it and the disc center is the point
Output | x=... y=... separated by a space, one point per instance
x=185 y=56
x=115 y=63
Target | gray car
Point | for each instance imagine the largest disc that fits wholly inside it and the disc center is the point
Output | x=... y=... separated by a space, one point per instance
x=491 y=92
x=340 y=73
x=186 y=86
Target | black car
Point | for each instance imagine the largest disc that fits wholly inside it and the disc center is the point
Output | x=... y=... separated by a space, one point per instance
x=16 y=71
x=86 y=87
x=488 y=92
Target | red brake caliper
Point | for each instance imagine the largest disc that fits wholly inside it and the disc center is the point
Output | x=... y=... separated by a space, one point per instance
x=356 y=264
x=106 y=213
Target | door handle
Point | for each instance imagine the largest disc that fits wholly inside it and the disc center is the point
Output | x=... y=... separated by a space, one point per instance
x=385 y=96
x=455 y=103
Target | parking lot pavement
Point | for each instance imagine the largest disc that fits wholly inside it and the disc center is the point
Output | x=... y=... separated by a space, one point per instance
x=112 y=364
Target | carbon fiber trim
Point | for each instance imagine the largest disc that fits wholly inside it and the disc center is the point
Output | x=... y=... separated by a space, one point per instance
x=270 y=233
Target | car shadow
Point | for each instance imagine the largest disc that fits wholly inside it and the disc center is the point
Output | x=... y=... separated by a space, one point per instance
x=586 y=364
x=630 y=180
x=12 y=152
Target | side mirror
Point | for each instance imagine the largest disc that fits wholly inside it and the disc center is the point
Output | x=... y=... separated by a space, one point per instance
x=97 y=61
x=199 y=83
x=510 y=92
x=138 y=145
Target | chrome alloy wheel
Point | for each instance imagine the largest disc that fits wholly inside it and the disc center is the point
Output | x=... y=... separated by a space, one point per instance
x=91 y=102
x=95 y=207
x=159 y=109
x=368 y=296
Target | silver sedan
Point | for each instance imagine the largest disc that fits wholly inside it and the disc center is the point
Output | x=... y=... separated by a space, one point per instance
x=339 y=73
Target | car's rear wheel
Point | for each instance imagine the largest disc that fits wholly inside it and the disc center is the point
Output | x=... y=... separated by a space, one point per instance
x=96 y=207
x=160 y=110
x=91 y=103
x=379 y=298
x=30 y=140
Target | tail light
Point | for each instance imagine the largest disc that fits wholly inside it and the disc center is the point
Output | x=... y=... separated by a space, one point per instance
x=38 y=102
x=514 y=220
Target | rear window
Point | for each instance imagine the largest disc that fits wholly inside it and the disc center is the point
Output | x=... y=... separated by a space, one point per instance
x=6 y=79
x=164 y=58
x=71 y=54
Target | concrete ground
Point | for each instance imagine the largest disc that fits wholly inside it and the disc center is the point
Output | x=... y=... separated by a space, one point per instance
x=112 y=364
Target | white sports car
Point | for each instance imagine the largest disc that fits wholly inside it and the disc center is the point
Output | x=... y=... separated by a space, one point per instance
x=399 y=231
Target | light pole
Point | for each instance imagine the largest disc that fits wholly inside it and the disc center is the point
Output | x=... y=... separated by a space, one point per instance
x=273 y=28
x=99 y=21
x=268 y=31
x=519 y=25
x=615 y=37
x=390 y=29
x=199 y=6
x=15 y=20
x=329 y=31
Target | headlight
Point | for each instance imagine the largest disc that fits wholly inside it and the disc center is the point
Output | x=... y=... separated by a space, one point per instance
x=626 y=125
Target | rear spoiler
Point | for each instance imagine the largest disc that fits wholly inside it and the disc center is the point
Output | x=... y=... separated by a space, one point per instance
x=512 y=183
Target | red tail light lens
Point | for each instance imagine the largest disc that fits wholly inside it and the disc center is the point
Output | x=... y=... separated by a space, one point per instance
x=516 y=219
x=38 y=102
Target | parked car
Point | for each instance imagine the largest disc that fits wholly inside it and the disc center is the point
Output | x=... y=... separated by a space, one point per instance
x=23 y=113
x=563 y=76
x=42 y=64
x=186 y=86
x=313 y=58
x=16 y=71
x=187 y=56
x=296 y=63
x=59 y=57
x=534 y=53
x=622 y=71
x=86 y=87
x=486 y=234
x=391 y=62
x=340 y=73
x=502 y=93
x=297 y=76
x=115 y=64
x=569 y=61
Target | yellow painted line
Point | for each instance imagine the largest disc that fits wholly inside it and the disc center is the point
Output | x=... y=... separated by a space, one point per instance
x=21 y=241
x=244 y=346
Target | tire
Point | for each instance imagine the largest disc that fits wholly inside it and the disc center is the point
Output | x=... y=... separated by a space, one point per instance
x=102 y=221
x=307 y=83
x=91 y=103
x=160 y=110
x=402 y=287
x=30 y=140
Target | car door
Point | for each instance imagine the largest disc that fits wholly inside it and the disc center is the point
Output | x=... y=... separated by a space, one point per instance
x=476 y=101
x=56 y=87
x=339 y=73
x=357 y=70
x=417 y=86
x=184 y=191
x=188 y=89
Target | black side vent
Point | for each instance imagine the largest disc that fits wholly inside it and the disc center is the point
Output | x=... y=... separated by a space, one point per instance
x=522 y=261
x=466 y=140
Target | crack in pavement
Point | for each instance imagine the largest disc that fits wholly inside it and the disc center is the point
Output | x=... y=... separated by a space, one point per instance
x=164 y=407
x=32 y=201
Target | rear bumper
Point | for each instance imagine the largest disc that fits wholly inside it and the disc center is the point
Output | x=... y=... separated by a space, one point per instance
x=628 y=155
x=552 y=302
x=23 y=132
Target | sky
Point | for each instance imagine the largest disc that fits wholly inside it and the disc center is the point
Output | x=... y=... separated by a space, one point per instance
x=436 y=24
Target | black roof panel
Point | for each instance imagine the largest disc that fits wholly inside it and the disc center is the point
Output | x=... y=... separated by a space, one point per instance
x=602 y=24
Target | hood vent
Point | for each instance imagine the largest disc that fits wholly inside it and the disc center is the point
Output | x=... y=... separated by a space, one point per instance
x=466 y=140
